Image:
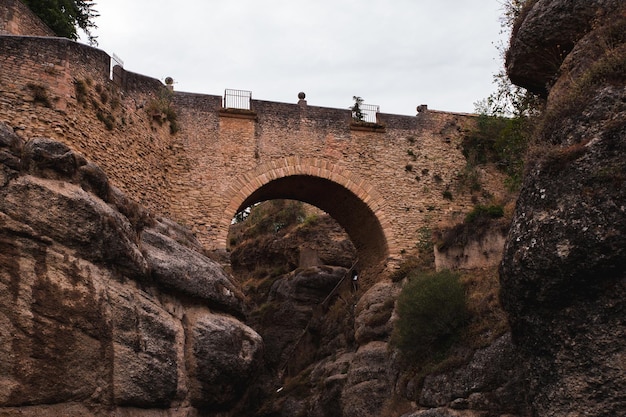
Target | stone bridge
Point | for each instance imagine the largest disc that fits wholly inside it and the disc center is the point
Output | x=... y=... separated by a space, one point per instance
x=387 y=182
x=383 y=181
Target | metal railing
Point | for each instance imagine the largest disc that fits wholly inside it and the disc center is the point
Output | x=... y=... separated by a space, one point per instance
x=237 y=99
x=368 y=113
x=115 y=60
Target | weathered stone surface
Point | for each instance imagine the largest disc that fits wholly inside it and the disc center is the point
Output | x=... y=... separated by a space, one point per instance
x=177 y=267
x=48 y=158
x=445 y=412
x=93 y=179
x=288 y=320
x=146 y=342
x=83 y=328
x=8 y=139
x=546 y=36
x=374 y=313
x=311 y=285
x=370 y=381
x=82 y=410
x=483 y=252
x=10 y=151
x=492 y=381
x=331 y=375
x=74 y=218
x=222 y=355
x=562 y=274
x=53 y=334
x=331 y=248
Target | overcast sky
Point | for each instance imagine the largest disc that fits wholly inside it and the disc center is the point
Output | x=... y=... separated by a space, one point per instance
x=394 y=53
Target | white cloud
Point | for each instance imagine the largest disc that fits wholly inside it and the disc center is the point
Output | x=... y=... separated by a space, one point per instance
x=397 y=54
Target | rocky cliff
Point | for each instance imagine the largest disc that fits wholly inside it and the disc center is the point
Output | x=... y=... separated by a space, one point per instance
x=562 y=275
x=106 y=310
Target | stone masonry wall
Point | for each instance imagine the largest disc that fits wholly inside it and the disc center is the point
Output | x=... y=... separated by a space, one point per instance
x=17 y=19
x=57 y=88
x=410 y=164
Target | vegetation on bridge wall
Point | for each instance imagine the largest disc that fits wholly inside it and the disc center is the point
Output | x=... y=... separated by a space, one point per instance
x=57 y=88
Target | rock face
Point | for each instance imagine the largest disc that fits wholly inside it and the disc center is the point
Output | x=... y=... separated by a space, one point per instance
x=103 y=308
x=546 y=34
x=563 y=272
x=491 y=381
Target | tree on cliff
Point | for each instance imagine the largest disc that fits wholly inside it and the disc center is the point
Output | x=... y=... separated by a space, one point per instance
x=64 y=17
x=509 y=100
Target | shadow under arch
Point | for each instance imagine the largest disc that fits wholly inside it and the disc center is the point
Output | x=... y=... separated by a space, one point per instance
x=356 y=206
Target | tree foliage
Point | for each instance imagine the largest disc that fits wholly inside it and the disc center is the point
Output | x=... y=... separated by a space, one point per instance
x=507 y=115
x=357 y=112
x=501 y=141
x=65 y=17
x=431 y=310
x=509 y=100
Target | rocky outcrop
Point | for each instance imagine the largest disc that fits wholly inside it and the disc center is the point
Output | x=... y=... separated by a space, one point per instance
x=104 y=309
x=374 y=312
x=479 y=252
x=545 y=34
x=289 y=321
x=286 y=247
x=370 y=380
x=562 y=274
x=489 y=382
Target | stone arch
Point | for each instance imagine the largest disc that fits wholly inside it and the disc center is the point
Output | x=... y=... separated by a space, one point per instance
x=353 y=203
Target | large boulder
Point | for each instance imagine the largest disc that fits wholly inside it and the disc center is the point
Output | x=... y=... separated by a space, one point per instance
x=72 y=217
x=374 y=312
x=562 y=273
x=146 y=356
x=490 y=382
x=290 y=317
x=104 y=310
x=188 y=271
x=370 y=381
x=545 y=34
x=223 y=354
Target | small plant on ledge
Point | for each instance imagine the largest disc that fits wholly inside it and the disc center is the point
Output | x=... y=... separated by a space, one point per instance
x=161 y=109
x=358 y=118
x=357 y=113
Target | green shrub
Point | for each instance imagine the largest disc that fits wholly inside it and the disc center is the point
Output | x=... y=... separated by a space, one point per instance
x=106 y=118
x=162 y=109
x=481 y=213
x=311 y=220
x=431 y=314
x=499 y=140
x=405 y=268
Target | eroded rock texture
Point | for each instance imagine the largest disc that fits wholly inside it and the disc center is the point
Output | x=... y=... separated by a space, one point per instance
x=103 y=308
x=563 y=272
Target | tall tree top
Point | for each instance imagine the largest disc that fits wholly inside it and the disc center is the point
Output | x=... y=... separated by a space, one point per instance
x=64 y=17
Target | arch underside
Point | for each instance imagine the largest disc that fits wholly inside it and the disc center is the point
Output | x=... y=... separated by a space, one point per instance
x=357 y=219
x=353 y=203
